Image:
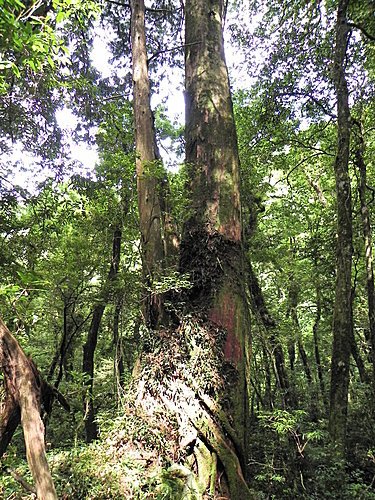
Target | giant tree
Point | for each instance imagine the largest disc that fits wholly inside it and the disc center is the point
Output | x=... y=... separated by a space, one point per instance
x=197 y=367
x=212 y=242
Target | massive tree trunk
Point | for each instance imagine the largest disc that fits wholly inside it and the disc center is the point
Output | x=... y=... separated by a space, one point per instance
x=148 y=168
x=342 y=316
x=211 y=250
x=196 y=368
x=25 y=391
x=91 y=428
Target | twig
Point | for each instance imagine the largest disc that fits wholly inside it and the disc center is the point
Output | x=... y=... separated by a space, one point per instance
x=178 y=47
x=25 y=485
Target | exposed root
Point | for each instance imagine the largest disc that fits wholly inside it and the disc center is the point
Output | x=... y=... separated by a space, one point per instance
x=186 y=374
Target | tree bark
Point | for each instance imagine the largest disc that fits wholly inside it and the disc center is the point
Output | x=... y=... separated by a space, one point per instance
x=198 y=371
x=24 y=393
x=359 y=362
x=267 y=400
x=91 y=428
x=293 y=303
x=10 y=418
x=148 y=168
x=211 y=248
x=367 y=238
x=119 y=368
x=317 y=350
x=342 y=316
x=64 y=350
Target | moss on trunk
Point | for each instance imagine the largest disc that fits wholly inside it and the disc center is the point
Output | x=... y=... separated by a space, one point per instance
x=342 y=315
x=187 y=374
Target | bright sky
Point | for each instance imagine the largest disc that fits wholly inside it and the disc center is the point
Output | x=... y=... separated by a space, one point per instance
x=87 y=155
x=100 y=57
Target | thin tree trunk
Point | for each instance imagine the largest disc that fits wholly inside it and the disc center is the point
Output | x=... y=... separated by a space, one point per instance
x=292 y=354
x=89 y=347
x=10 y=418
x=24 y=389
x=304 y=359
x=367 y=237
x=117 y=341
x=91 y=428
x=293 y=303
x=259 y=305
x=65 y=348
x=171 y=237
x=359 y=362
x=148 y=168
x=267 y=401
x=343 y=315
x=317 y=350
x=60 y=354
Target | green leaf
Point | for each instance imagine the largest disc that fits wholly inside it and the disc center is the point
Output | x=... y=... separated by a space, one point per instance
x=9 y=290
x=61 y=15
x=50 y=61
x=31 y=64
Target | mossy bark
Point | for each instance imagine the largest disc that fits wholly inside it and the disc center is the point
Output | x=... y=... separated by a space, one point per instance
x=187 y=375
x=343 y=315
x=211 y=141
x=196 y=369
x=211 y=248
x=368 y=243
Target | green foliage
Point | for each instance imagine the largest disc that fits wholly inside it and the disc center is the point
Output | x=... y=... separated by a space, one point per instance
x=282 y=421
x=292 y=458
x=28 y=39
x=171 y=281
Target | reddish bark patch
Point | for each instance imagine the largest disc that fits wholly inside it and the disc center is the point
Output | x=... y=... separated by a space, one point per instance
x=224 y=315
x=231 y=230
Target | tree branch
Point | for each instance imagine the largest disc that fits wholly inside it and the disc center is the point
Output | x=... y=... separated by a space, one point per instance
x=363 y=30
x=178 y=47
x=158 y=11
x=114 y=2
x=25 y=485
x=153 y=11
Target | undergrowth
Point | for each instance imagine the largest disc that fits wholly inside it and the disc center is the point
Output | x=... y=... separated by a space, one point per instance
x=132 y=459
